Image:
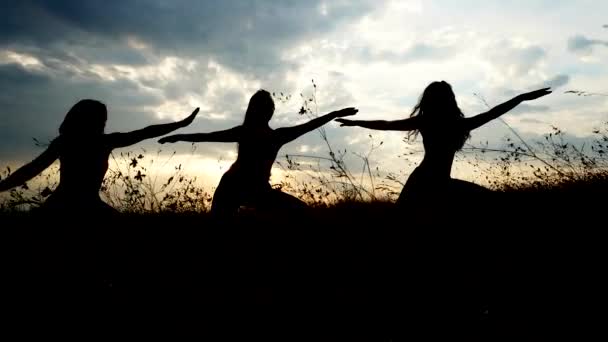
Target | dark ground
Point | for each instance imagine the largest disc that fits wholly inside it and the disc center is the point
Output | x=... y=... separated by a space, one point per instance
x=359 y=268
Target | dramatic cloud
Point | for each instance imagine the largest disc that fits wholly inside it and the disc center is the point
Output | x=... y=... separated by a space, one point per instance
x=155 y=61
x=244 y=35
x=583 y=44
x=156 y=57
x=555 y=82
x=515 y=58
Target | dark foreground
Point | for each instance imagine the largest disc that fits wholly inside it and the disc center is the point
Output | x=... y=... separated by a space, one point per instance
x=359 y=268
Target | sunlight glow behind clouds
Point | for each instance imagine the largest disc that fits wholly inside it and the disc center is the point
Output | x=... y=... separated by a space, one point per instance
x=25 y=60
x=377 y=56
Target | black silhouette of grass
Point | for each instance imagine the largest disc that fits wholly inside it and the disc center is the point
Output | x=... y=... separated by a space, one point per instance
x=353 y=254
x=362 y=246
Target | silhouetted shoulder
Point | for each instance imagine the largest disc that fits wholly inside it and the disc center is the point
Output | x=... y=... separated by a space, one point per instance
x=57 y=143
x=120 y=139
x=234 y=134
x=55 y=147
x=411 y=123
x=454 y=124
x=115 y=139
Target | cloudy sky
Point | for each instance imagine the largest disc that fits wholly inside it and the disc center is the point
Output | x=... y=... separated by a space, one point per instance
x=154 y=61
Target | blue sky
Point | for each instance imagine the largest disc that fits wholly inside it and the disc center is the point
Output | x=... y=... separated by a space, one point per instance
x=154 y=61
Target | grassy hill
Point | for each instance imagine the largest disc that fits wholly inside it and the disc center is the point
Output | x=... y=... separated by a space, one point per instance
x=370 y=262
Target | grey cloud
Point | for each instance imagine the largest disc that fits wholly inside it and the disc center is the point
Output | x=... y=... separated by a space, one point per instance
x=417 y=52
x=581 y=43
x=14 y=74
x=228 y=102
x=185 y=82
x=231 y=31
x=527 y=109
x=520 y=59
x=37 y=105
x=69 y=36
x=422 y=51
x=555 y=82
x=531 y=121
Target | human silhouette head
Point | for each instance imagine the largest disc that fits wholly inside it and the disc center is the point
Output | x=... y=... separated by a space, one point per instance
x=438 y=103
x=260 y=109
x=85 y=118
x=439 y=108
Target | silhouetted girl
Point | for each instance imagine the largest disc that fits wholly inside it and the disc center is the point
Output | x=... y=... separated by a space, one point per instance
x=246 y=182
x=444 y=130
x=83 y=151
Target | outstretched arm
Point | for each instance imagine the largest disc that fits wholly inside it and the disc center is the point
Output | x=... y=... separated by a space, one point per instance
x=32 y=169
x=229 y=135
x=409 y=124
x=287 y=134
x=117 y=140
x=481 y=119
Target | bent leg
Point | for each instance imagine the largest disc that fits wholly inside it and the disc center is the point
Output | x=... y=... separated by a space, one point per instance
x=419 y=189
x=287 y=201
x=471 y=198
x=105 y=210
x=467 y=188
x=276 y=199
x=226 y=200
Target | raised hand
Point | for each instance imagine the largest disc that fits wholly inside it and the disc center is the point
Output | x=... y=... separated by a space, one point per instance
x=187 y=121
x=533 y=95
x=345 y=112
x=346 y=122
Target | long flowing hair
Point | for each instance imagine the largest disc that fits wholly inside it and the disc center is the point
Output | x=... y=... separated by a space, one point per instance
x=437 y=107
x=259 y=110
x=85 y=118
